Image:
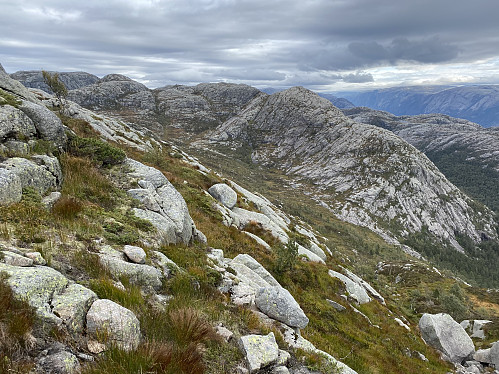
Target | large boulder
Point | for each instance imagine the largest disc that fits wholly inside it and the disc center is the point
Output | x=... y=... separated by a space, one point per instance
x=223 y=193
x=114 y=324
x=260 y=350
x=279 y=304
x=14 y=124
x=163 y=205
x=48 y=125
x=72 y=306
x=39 y=177
x=37 y=285
x=244 y=217
x=12 y=86
x=494 y=354
x=142 y=275
x=443 y=333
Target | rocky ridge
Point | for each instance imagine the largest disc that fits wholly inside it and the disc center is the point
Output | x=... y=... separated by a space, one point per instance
x=370 y=171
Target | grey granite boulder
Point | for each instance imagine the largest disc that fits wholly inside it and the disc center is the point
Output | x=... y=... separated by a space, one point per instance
x=37 y=285
x=11 y=190
x=72 y=306
x=116 y=324
x=135 y=254
x=443 y=333
x=223 y=193
x=32 y=175
x=163 y=205
x=494 y=354
x=146 y=276
x=48 y=125
x=12 y=86
x=14 y=124
x=279 y=304
x=14 y=259
x=260 y=350
x=483 y=356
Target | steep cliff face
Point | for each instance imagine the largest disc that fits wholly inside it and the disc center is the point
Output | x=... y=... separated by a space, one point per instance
x=366 y=175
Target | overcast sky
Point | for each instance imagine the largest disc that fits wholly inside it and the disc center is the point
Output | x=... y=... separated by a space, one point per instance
x=325 y=45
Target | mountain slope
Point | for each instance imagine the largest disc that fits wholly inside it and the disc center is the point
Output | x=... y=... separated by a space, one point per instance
x=72 y=80
x=479 y=104
x=465 y=152
x=366 y=175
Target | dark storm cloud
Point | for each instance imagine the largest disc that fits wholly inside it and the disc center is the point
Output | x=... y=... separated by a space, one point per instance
x=257 y=42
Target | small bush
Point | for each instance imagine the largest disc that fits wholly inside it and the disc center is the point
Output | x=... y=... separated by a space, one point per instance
x=67 y=207
x=287 y=256
x=96 y=150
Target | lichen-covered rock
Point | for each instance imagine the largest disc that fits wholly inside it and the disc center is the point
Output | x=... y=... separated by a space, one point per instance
x=14 y=124
x=279 y=304
x=48 y=125
x=72 y=306
x=245 y=217
x=166 y=265
x=443 y=333
x=143 y=172
x=51 y=164
x=62 y=362
x=256 y=267
x=114 y=322
x=223 y=193
x=483 y=356
x=49 y=200
x=260 y=351
x=14 y=259
x=311 y=256
x=31 y=175
x=143 y=275
x=11 y=189
x=135 y=254
x=37 y=285
x=355 y=290
x=36 y=257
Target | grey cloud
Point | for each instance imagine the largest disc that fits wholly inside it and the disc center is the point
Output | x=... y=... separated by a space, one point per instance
x=358 y=77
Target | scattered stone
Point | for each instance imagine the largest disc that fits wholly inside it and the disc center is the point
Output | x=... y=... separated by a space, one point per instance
x=224 y=332
x=49 y=200
x=135 y=254
x=166 y=265
x=443 y=333
x=280 y=370
x=259 y=350
x=259 y=240
x=402 y=324
x=223 y=193
x=335 y=305
x=279 y=304
x=199 y=237
x=311 y=256
x=95 y=347
x=118 y=324
x=283 y=358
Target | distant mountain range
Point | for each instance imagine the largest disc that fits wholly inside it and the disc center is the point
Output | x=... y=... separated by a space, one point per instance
x=479 y=104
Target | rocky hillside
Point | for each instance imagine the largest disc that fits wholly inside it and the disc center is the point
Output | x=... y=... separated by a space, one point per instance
x=120 y=253
x=464 y=151
x=72 y=80
x=479 y=104
x=366 y=175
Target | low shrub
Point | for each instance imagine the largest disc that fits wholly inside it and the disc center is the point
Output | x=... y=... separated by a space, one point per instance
x=100 y=152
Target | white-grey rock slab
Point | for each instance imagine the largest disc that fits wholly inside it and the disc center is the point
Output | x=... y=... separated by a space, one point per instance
x=279 y=304
x=283 y=358
x=255 y=266
x=49 y=200
x=355 y=290
x=446 y=335
x=364 y=284
x=118 y=324
x=259 y=240
x=477 y=331
x=311 y=256
x=72 y=306
x=15 y=124
x=317 y=250
x=31 y=175
x=135 y=254
x=494 y=354
x=36 y=257
x=335 y=305
x=143 y=172
x=166 y=265
x=280 y=370
x=260 y=350
x=245 y=217
x=223 y=193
